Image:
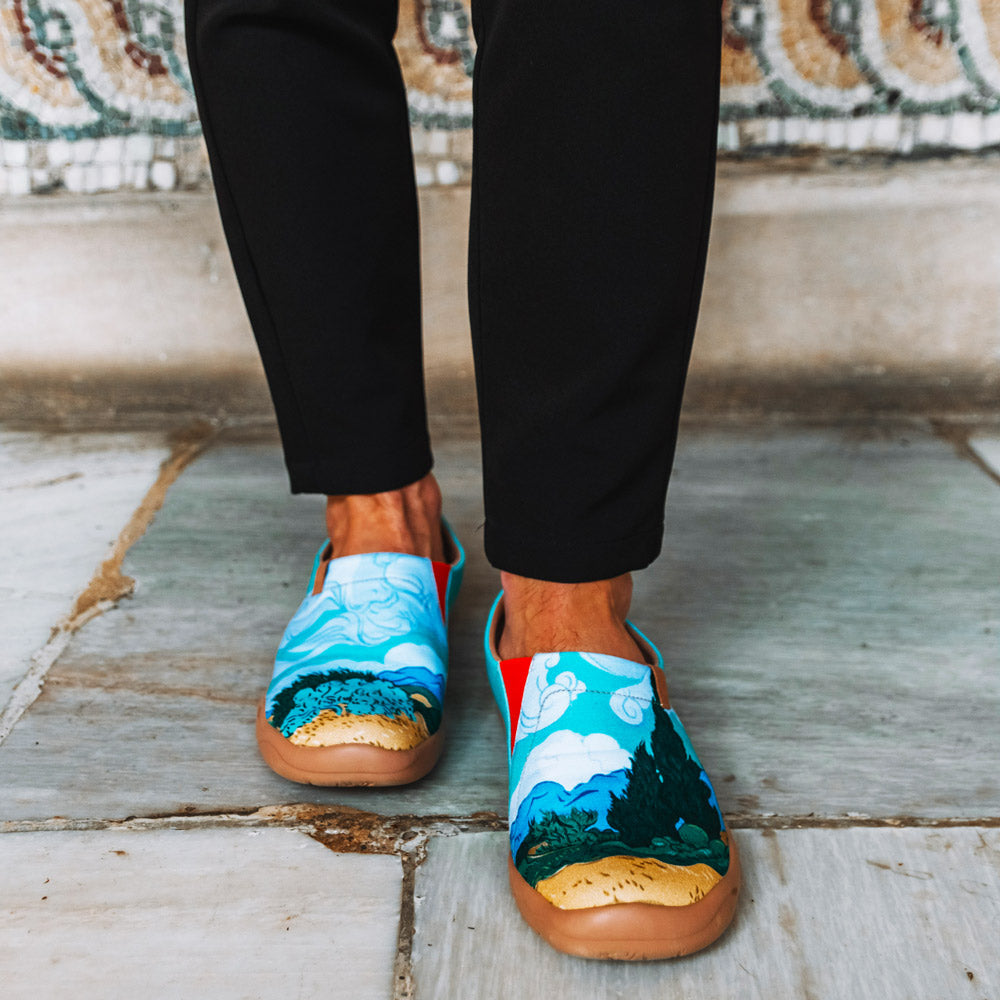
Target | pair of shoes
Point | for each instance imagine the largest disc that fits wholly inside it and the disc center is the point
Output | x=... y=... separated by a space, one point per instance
x=358 y=687
x=617 y=845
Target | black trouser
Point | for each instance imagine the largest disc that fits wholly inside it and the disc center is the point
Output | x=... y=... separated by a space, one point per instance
x=594 y=150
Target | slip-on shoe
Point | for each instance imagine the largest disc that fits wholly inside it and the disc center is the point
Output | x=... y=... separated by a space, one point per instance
x=617 y=845
x=357 y=693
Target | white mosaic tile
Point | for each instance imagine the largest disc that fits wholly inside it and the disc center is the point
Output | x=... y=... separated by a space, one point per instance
x=15 y=154
x=18 y=180
x=437 y=142
x=139 y=176
x=163 y=175
x=111 y=176
x=139 y=148
x=447 y=172
x=109 y=150
x=74 y=178
x=933 y=130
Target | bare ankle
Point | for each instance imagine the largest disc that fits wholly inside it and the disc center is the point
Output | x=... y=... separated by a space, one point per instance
x=540 y=616
x=406 y=520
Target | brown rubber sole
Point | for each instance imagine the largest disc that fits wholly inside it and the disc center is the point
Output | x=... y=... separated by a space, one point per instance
x=631 y=931
x=347 y=763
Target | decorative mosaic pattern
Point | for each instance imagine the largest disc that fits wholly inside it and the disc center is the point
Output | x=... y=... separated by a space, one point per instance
x=888 y=75
x=898 y=75
x=892 y=75
x=79 y=69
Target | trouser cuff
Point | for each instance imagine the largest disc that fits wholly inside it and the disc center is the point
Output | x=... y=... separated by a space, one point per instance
x=578 y=560
x=374 y=474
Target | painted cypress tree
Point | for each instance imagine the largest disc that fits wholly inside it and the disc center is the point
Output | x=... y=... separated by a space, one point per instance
x=664 y=787
x=682 y=776
x=641 y=812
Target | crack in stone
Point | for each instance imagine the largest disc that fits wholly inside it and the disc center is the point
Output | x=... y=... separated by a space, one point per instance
x=341 y=829
x=403 y=985
x=40 y=484
x=957 y=435
x=108 y=584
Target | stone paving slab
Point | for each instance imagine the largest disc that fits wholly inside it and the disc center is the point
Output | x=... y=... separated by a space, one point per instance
x=162 y=692
x=63 y=500
x=988 y=449
x=226 y=914
x=884 y=914
x=826 y=602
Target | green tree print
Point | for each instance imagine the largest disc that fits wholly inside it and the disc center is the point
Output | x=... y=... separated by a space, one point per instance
x=643 y=811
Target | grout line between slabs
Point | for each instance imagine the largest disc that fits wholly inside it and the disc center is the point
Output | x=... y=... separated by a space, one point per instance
x=108 y=584
x=347 y=830
x=344 y=829
x=403 y=986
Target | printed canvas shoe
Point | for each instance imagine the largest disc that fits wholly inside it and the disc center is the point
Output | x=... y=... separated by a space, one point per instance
x=617 y=846
x=359 y=678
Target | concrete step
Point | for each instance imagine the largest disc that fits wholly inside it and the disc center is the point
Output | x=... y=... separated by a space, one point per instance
x=864 y=273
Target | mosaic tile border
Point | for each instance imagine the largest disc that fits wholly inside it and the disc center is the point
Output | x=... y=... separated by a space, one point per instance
x=95 y=94
x=89 y=69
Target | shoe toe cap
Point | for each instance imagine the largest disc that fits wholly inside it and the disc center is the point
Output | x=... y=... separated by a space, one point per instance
x=331 y=727
x=338 y=707
x=627 y=879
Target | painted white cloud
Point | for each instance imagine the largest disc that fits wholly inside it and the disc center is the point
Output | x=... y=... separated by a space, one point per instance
x=411 y=654
x=616 y=665
x=569 y=759
x=630 y=703
x=407 y=654
x=545 y=701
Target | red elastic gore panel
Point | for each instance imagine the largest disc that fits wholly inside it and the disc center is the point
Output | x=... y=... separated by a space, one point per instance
x=515 y=676
x=441 y=573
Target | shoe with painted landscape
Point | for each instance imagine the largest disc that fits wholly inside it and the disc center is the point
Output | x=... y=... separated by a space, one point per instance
x=357 y=693
x=617 y=845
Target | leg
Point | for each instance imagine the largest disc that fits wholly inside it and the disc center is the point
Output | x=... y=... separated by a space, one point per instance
x=306 y=122
x=594 y=164
x=305 y=118
x=592 y=188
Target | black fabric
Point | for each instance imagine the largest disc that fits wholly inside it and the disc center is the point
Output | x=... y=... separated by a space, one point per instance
x=594 y=152
x=307 y=127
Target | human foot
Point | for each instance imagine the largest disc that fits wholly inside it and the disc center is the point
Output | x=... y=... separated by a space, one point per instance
x=617 y=846
x=544 y=617
x=356 y=695
x=406 y=520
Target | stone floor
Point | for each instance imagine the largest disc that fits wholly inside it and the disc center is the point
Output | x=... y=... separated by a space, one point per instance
x=828 y=603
